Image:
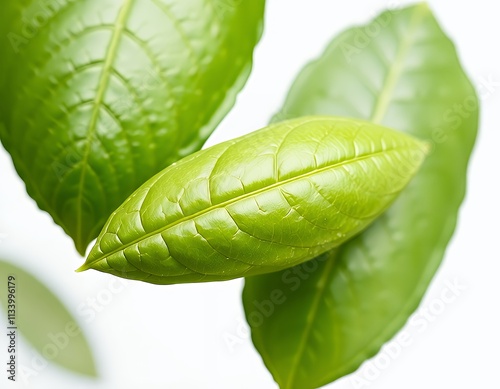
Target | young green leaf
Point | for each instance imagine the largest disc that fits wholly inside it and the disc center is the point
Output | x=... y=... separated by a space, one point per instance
x=342 y=307
x=97 y=96
x=43 y=320
x=260 y=203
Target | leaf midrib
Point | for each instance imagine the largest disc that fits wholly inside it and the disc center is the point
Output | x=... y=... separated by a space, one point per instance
x=379 y=111
x=244 y=197
x=111 y=54
x=321 y=287
x=395 y=71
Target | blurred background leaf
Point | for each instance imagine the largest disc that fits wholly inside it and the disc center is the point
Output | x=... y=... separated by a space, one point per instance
x=45 y=323
x=402 y=71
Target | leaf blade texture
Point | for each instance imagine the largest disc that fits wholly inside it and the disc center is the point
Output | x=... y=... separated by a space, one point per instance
x=259 y=203
x=343 y=306
x=103 y=94
x=43 y=320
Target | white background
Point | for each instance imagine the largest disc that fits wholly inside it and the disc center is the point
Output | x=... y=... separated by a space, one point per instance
x=173 y=336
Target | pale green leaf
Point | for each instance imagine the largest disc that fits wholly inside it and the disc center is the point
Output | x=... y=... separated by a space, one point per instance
x=260 y=203
x=43 y=320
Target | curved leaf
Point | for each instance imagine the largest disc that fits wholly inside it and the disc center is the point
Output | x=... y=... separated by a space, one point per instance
x=102 y=94
x=45 y=322
x=339 y=312
x=260 y=203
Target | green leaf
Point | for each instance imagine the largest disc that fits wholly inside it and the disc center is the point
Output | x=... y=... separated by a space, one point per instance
x=260 y=203
x=44 y=321
x=97 y=96
x=339 y=311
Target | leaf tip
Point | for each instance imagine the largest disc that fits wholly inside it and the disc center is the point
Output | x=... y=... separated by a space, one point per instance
x=424 y=6
x=426 y=147
x=421 y=152
x=422 y=148
x=83 y=268
x=90 y=370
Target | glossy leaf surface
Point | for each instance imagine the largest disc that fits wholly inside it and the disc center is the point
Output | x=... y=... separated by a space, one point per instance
x=43 y=320
x=263 y=202
x=343 y=306
x=97 y=96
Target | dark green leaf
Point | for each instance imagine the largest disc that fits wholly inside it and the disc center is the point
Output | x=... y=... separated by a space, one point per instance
x=263 y=202
x=401 y=71
x=99 y=95
x=44 y=321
